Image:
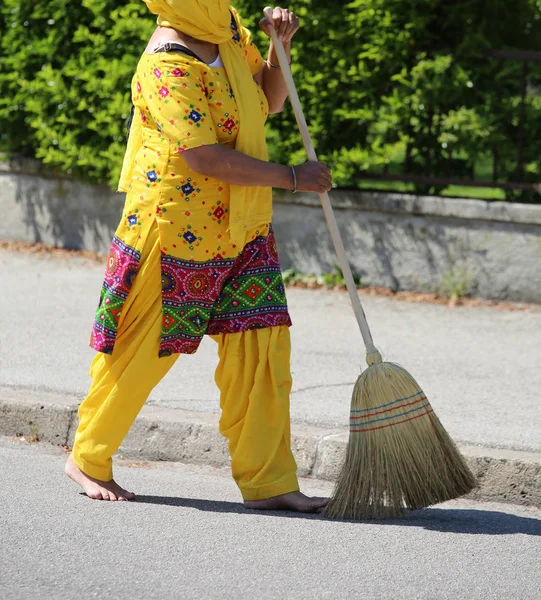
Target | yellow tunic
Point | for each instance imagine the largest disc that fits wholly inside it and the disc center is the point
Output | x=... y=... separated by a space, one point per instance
x=209 y=284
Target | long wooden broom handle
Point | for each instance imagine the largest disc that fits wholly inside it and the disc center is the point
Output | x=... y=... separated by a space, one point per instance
x=325 y=201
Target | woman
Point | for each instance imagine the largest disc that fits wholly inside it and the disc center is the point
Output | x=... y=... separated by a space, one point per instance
x=194 y=253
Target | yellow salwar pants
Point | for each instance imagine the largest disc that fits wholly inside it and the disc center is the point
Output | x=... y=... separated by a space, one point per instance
x=253 y=377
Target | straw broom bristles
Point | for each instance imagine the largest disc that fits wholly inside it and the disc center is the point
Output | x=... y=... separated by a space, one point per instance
x=399 y=456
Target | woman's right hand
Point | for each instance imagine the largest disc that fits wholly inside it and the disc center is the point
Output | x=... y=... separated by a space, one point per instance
x=313 y=176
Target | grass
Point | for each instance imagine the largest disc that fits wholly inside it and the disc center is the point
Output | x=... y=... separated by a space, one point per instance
x=457 y=282
x=452 y=191
x=463 y=191
x=483 y=172
x=333 y=280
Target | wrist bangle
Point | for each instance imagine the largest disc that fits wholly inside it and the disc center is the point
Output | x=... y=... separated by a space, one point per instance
x=273 y=66
x=294 y=190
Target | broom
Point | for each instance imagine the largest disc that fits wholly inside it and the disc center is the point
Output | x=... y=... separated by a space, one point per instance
x=399 y=456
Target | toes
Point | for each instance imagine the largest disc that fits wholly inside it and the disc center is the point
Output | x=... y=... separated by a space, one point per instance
x=94 y=494
x=94 y=488
x=107 y=495
x=113 y=494
x=126 y=496
x=103 y=494
x=312 y=504
x=122 y=494
x=318 y=504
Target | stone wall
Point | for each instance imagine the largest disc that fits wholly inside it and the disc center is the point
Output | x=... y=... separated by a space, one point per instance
x=38 y=206
x=491 y=249
x=405 y=242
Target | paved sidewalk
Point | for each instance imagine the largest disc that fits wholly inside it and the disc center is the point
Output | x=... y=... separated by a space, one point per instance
x=479 y=366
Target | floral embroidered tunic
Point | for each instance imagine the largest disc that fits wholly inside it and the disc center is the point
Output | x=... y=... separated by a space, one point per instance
x=209 y=285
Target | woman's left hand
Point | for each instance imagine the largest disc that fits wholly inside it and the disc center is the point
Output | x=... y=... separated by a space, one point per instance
x=284 y=22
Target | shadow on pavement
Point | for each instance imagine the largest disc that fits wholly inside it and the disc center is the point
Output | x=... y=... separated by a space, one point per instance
x=445 y=520
x=221 y=506
x=471 y=521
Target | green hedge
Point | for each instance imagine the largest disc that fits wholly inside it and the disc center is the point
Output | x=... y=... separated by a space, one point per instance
x=382 y=82
x=65 y=80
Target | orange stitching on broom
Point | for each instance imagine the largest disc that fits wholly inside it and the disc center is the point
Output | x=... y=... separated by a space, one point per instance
x=359 y=410
x=391 y=424
x=381 y=412
x=407 y=412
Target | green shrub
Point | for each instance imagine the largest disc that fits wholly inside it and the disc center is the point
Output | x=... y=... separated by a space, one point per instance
x=385 y=82
x=332 y=280
x=65 y=81
x=382 y=82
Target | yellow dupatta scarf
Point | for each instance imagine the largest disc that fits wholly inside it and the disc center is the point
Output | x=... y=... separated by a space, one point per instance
x=210 y=21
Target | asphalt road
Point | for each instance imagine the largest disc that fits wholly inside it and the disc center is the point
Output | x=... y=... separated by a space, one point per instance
x=188 y=537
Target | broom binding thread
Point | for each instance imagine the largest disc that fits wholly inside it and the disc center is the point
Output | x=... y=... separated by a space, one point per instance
x=373 y=356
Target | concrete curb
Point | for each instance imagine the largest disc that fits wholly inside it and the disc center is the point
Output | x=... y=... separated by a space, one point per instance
x=162 y=434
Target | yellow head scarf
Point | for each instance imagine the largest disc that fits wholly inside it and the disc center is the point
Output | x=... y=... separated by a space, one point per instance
x=210 y=21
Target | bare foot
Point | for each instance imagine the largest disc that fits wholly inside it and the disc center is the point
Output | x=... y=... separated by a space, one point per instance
x=94 y=488
x=294 y=501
